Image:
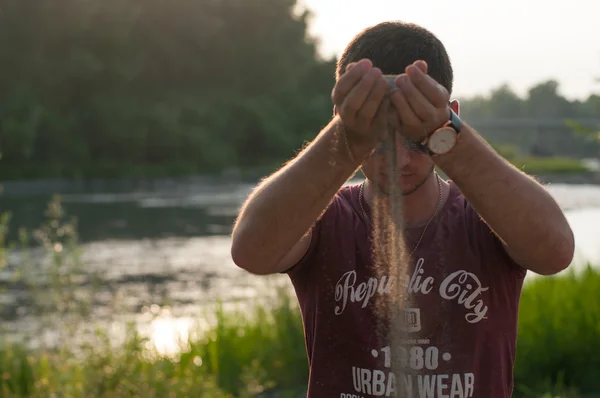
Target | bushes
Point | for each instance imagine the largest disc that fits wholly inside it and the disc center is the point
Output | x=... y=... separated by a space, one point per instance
x=559 y=334
x=540 y=165
x=102 y=371
x=554 y=165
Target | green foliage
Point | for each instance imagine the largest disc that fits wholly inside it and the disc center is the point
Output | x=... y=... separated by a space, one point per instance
x=250 y=352
x=508 y=151
x=540 y=165
x=579 y=128
x=103 y=371
x=539 y=124
x=552 y=165
x=559 y=334
x=131 y=88
x=4 y=223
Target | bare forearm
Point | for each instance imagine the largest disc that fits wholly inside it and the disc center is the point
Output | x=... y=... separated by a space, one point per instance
x=517 y=208
x=284 y=206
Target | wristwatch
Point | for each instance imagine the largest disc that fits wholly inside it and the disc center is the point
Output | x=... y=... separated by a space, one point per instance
x=442 y=140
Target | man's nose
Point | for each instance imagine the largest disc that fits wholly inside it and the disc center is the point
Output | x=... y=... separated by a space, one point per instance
x=402 y=153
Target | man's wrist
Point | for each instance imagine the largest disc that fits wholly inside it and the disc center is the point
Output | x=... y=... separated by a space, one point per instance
x=467 y=143
x=357 y=152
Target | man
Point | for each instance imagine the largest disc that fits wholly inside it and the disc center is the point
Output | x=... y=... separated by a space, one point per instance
x=472 y=240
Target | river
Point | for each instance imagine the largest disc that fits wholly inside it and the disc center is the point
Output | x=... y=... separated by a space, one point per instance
x=162 y=249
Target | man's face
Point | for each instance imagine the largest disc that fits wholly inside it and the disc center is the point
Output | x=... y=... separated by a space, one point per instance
x=413 y=168
x=412 y=165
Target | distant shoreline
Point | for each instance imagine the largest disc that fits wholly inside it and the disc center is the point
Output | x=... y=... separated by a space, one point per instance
x=121 y=185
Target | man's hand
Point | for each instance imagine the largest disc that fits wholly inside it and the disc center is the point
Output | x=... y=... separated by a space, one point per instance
x=421 y=102
x=360 y=99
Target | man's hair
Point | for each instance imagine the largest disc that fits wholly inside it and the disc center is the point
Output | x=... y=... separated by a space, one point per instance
x=392 y=46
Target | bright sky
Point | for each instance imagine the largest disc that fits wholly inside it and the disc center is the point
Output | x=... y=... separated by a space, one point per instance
x=519 y=42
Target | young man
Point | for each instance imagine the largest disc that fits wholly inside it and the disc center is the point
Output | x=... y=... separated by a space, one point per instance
x=472 y=240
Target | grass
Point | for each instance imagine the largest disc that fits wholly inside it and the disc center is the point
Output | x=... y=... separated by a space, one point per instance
x=257 y=351
x=540 y=165
x=253 y=353
x=243 y=355
x=551 y=165
x=103 y=371
x=559 y=334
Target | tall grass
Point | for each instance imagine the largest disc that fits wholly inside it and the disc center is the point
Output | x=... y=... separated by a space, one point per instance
x=260 y=352
x=103 y=371
x=257 y=351
x=244 y=354
x=559 y=334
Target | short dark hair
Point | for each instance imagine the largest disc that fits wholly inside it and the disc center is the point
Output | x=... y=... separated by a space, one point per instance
x=394 y=45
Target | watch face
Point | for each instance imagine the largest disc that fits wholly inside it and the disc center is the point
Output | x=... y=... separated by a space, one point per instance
x=442 y=141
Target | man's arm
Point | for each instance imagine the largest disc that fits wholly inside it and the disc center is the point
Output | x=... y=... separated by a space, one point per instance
x=518 y=209
x=270 y=234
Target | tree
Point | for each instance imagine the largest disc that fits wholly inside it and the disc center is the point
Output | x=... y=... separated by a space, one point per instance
x=116 y=87
x=544 y=101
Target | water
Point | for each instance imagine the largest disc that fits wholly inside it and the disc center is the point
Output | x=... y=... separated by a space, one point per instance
x=585 y=223
x=163 y=251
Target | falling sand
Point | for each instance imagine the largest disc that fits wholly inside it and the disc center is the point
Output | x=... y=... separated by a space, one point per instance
x=390 y=259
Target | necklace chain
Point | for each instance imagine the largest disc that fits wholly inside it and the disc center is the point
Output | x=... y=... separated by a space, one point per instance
x=437 y=207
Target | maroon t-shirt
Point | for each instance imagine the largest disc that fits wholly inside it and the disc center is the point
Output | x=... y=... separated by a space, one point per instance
x=464 y=291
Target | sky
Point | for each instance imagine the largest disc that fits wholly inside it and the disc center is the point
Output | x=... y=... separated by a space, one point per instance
x=518 y=42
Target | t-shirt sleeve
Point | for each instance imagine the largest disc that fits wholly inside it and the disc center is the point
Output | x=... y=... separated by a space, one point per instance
x=310 y=253
x=487 y=242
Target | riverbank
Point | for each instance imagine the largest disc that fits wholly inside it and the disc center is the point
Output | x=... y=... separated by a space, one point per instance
x=183 y=185
x=548 y=170
x=255 y=353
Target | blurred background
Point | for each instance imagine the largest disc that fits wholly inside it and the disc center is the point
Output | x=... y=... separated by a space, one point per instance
x=131 y=131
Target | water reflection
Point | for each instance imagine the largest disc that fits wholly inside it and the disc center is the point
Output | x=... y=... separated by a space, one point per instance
x=586 y=228
x=168 y=335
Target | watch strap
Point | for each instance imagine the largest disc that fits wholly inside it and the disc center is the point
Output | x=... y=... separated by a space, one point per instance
x=454 y=121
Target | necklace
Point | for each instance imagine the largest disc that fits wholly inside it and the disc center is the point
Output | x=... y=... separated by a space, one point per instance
x=437 y=208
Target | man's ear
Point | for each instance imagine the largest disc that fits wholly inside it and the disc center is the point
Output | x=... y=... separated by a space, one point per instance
x=455 y=106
